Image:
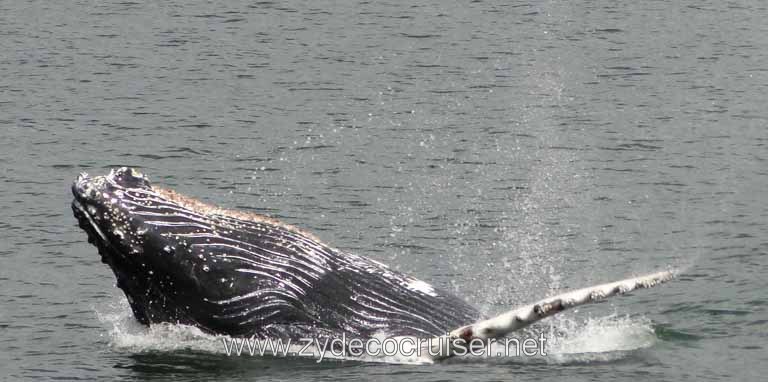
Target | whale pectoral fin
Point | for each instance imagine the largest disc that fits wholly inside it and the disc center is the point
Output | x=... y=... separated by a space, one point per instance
x=442 y=346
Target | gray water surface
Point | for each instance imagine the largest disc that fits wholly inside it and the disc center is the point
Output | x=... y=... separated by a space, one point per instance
x=501 y=150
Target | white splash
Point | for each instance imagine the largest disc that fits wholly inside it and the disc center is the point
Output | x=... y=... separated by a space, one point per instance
x=127 y=334
x=599 y=339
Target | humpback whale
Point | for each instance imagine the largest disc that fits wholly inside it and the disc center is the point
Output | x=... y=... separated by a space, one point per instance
x=179 y=260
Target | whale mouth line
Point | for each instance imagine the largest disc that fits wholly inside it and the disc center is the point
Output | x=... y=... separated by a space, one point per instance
x=89 y=218
x=95 y=234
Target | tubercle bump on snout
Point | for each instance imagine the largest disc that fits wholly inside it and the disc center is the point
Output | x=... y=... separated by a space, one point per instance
x=81 y=177
x=128 y=177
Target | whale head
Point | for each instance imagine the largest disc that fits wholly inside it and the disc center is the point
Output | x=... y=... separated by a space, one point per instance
x=144 y=233
x=103 y=206
x=112 y=209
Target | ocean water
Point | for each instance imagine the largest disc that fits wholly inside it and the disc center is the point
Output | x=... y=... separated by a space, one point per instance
x=501 y=150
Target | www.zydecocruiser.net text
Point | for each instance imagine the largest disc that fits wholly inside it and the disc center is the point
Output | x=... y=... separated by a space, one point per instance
x=320 y=348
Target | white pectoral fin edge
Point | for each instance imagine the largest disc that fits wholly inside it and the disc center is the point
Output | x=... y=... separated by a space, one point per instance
x=516 y=319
